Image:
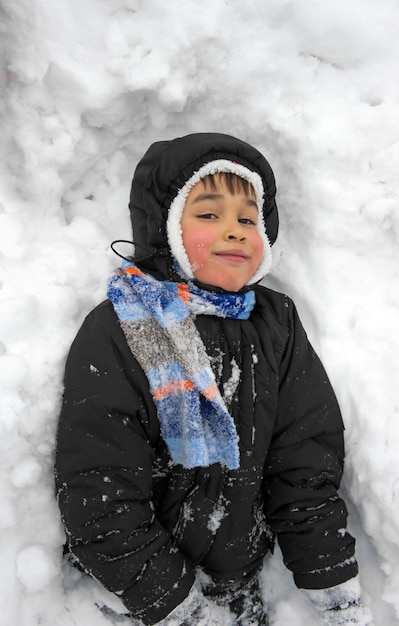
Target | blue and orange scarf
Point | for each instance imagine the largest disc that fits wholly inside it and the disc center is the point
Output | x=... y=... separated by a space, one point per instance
x=157 y=319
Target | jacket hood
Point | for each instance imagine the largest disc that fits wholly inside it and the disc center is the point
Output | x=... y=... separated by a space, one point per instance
x=164 y=170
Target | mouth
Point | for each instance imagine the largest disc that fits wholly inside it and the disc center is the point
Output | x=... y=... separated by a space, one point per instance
x=235 y=256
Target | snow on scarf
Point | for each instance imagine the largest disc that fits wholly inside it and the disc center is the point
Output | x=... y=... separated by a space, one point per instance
x=157 y=320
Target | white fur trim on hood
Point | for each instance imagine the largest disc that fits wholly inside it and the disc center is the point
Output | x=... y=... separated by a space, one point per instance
x=175 y=238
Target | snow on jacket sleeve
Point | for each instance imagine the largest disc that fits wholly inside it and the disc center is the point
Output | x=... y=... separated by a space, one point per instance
x=304 y=469
x=105 y=453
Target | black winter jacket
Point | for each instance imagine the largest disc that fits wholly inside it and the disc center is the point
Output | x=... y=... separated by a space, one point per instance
x=141 y=526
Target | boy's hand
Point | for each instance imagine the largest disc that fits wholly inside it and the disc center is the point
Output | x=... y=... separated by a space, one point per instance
x=352 y=614
x=341 y=604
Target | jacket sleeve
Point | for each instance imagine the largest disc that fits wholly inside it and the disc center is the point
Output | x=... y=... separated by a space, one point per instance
x=304 y=469
x=104 y=459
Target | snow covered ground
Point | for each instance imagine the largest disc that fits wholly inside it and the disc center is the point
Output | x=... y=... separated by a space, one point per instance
x=86 y=86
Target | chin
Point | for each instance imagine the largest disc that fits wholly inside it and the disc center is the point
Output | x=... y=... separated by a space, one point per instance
x=230 y=283
x=230 y=286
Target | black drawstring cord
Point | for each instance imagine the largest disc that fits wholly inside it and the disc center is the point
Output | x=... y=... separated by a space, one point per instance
x=153 y=251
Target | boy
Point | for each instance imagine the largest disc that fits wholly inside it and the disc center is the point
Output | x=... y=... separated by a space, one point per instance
x=197 y=421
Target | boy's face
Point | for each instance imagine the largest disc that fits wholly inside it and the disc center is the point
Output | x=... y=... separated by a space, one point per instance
x=220 y=235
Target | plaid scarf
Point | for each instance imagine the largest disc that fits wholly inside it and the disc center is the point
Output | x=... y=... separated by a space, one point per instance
x=157 y=319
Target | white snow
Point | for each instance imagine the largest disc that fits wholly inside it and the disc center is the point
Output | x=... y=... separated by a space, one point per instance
x=230 y=386
x=86 y=87
x=35 y=568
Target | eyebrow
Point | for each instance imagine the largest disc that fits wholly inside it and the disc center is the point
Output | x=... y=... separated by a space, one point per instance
x=218 y=196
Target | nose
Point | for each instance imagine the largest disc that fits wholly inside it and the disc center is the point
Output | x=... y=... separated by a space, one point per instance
x=234 y=237
x=233 y=229
x=234 y=233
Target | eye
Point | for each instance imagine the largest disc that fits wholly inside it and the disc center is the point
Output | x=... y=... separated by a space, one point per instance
x=207 y=216
x=247 y=220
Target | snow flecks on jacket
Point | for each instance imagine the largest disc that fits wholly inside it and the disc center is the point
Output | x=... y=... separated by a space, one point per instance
x=218 y=515
x=230 y=386
x=253 y=364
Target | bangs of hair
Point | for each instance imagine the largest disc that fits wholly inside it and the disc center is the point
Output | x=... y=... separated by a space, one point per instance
x=235 y=184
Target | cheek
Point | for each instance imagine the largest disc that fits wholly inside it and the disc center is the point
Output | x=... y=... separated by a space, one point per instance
x=196 y=242
x=258 y=247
